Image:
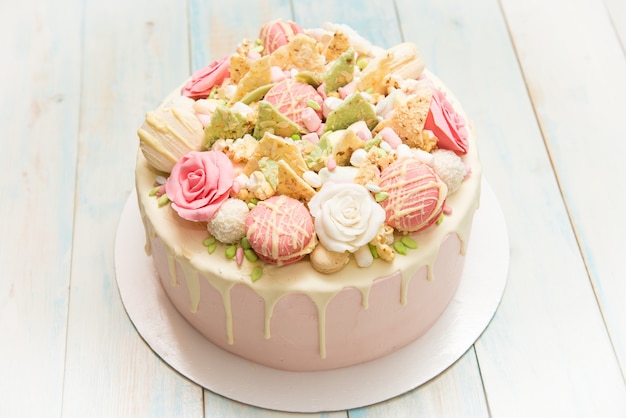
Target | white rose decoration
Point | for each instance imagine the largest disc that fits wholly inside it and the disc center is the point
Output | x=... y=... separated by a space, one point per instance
x=346 y=216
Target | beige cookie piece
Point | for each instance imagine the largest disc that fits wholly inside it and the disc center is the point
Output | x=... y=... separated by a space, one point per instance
x=408 y=119
x=239 y=66
x=301 y=52
x=291 y=184
x=339 y=43
x=326 y=261
x=259 y=74
x=276 y=148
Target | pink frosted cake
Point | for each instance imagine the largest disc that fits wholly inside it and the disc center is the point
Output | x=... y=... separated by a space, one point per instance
x=308 y=199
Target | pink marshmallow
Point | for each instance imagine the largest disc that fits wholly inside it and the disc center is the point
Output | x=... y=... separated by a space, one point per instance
x=390 y=137
x=310 y=119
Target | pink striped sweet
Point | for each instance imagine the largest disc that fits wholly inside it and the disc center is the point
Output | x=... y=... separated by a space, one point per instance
x=416 y=195
x=277 y=33
x=292 y=98
x=280 y=230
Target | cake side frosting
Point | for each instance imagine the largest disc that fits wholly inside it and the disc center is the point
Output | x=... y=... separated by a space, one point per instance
x=298 y=315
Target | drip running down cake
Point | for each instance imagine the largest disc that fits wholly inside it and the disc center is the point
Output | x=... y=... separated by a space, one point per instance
x=308 y=199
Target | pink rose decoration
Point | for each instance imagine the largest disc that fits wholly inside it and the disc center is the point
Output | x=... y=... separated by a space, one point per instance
x=447 y=125
x=204 y=79
x=199 y=183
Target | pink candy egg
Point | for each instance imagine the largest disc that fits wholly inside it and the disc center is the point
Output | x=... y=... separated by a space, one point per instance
x=280 y=230
x=416 y=195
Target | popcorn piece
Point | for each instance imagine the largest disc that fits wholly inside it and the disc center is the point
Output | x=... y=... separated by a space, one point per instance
x=259 y=187
x=402 y=59
x=368 y=174
x=383 y=243
x=408 y=119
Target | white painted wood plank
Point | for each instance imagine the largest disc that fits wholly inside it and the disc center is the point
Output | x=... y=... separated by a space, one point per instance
x=217 y=28
x=218 y=406
x=39 y=83
x=546 y=353
x=457 y=392
x=617 y=14
x=576 y=77
x=134 y=53
x=375 y=20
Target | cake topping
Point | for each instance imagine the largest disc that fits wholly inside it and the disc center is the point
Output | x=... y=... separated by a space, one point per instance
x=228 y=225
x=203 y=80
x=170 y=132
x=280 y=230
x=199 y=183
x=300 y=125
x=416 y=195
x=446 y=124
x=291 y=98
x=278 y=33
x=346 y=216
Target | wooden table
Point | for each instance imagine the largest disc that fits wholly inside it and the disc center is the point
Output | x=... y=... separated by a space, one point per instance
x=545 y=85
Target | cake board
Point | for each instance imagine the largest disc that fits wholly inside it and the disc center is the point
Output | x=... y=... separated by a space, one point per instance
x=164 y=329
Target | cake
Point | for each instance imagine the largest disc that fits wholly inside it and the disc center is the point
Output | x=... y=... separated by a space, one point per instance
x=308 y=199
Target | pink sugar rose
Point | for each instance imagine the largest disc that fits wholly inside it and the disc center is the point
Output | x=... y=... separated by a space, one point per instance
x=199 y=183
x=447 y=125
x=204 y=79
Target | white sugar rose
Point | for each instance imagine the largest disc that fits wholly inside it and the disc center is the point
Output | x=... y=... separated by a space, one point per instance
x=346 y=216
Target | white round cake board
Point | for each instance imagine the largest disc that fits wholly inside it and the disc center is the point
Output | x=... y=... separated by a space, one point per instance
x=183 y=348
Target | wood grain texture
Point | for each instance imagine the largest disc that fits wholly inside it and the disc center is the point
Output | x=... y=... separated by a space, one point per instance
x=40 y=84
x=548 y=324
x=576 y=78
x=457 y=392
x=134 y=53
x=545 y=86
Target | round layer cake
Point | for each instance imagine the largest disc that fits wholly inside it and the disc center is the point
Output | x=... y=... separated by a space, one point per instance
x=308 y=200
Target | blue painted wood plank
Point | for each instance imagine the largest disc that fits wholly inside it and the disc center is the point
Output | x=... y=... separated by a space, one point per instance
x=131 y=60
x=40 y=84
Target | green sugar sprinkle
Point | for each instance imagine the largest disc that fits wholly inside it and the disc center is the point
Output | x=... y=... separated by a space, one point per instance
x=245 y=243
x=256 y=273
x=163 y=200
x=208 y=241
x=380 y=196
x=440 y=220
x=296 y=137
x=154 y=190
x=372 y=142
x=250 y=255
x=313 y=105
x=409 y=242
x=362 y=62
x=373 y=250
x=399 y=247
x=231 y=250
x=211 y=247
